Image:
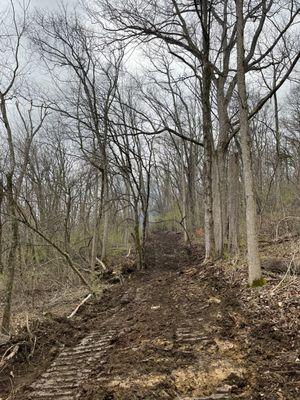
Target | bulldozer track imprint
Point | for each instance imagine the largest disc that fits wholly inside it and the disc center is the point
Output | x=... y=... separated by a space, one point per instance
x=188 y=335
x=72 y=367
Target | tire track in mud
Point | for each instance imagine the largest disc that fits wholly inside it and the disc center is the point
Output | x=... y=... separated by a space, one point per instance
x=62 y=380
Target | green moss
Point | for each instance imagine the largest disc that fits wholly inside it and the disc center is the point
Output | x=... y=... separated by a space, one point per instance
x=259 y=283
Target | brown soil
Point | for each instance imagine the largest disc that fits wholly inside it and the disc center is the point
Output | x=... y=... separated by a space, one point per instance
x=183 y=331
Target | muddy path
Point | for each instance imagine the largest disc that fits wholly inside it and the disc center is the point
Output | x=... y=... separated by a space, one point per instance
x=170 y=343
x=177 y=330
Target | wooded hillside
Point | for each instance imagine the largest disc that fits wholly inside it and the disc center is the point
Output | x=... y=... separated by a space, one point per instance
x=120 y=120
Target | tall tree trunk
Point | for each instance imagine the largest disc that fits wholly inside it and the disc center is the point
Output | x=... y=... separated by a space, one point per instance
x=207 y=136
x=191 y=193
x=96 y=227
x=137 y=235
x=217 y=207
x=251 y=215
x=221 y=152
x=67 y=228
x=105 y=226
x=145 y=217
x=12 y=257
x=183 y=201
x=233 y=203
x=208 y=214
x=127 y=216
x=278 y=174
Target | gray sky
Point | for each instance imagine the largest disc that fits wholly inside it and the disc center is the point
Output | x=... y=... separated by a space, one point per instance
x=134 y=60
x=48 y=3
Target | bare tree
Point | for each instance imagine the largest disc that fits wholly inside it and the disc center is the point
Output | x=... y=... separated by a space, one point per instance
x=6 y=91
x=251 y=220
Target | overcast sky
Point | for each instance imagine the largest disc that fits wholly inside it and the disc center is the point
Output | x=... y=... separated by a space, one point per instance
x=133 y=60
x=42 y=4
x=49 y=3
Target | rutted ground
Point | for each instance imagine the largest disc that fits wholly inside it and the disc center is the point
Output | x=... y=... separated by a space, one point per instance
x=72 y=366
x=174 y=331
x=171 y=343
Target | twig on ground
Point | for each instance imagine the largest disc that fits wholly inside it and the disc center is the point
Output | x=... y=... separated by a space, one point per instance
x=79 y=305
